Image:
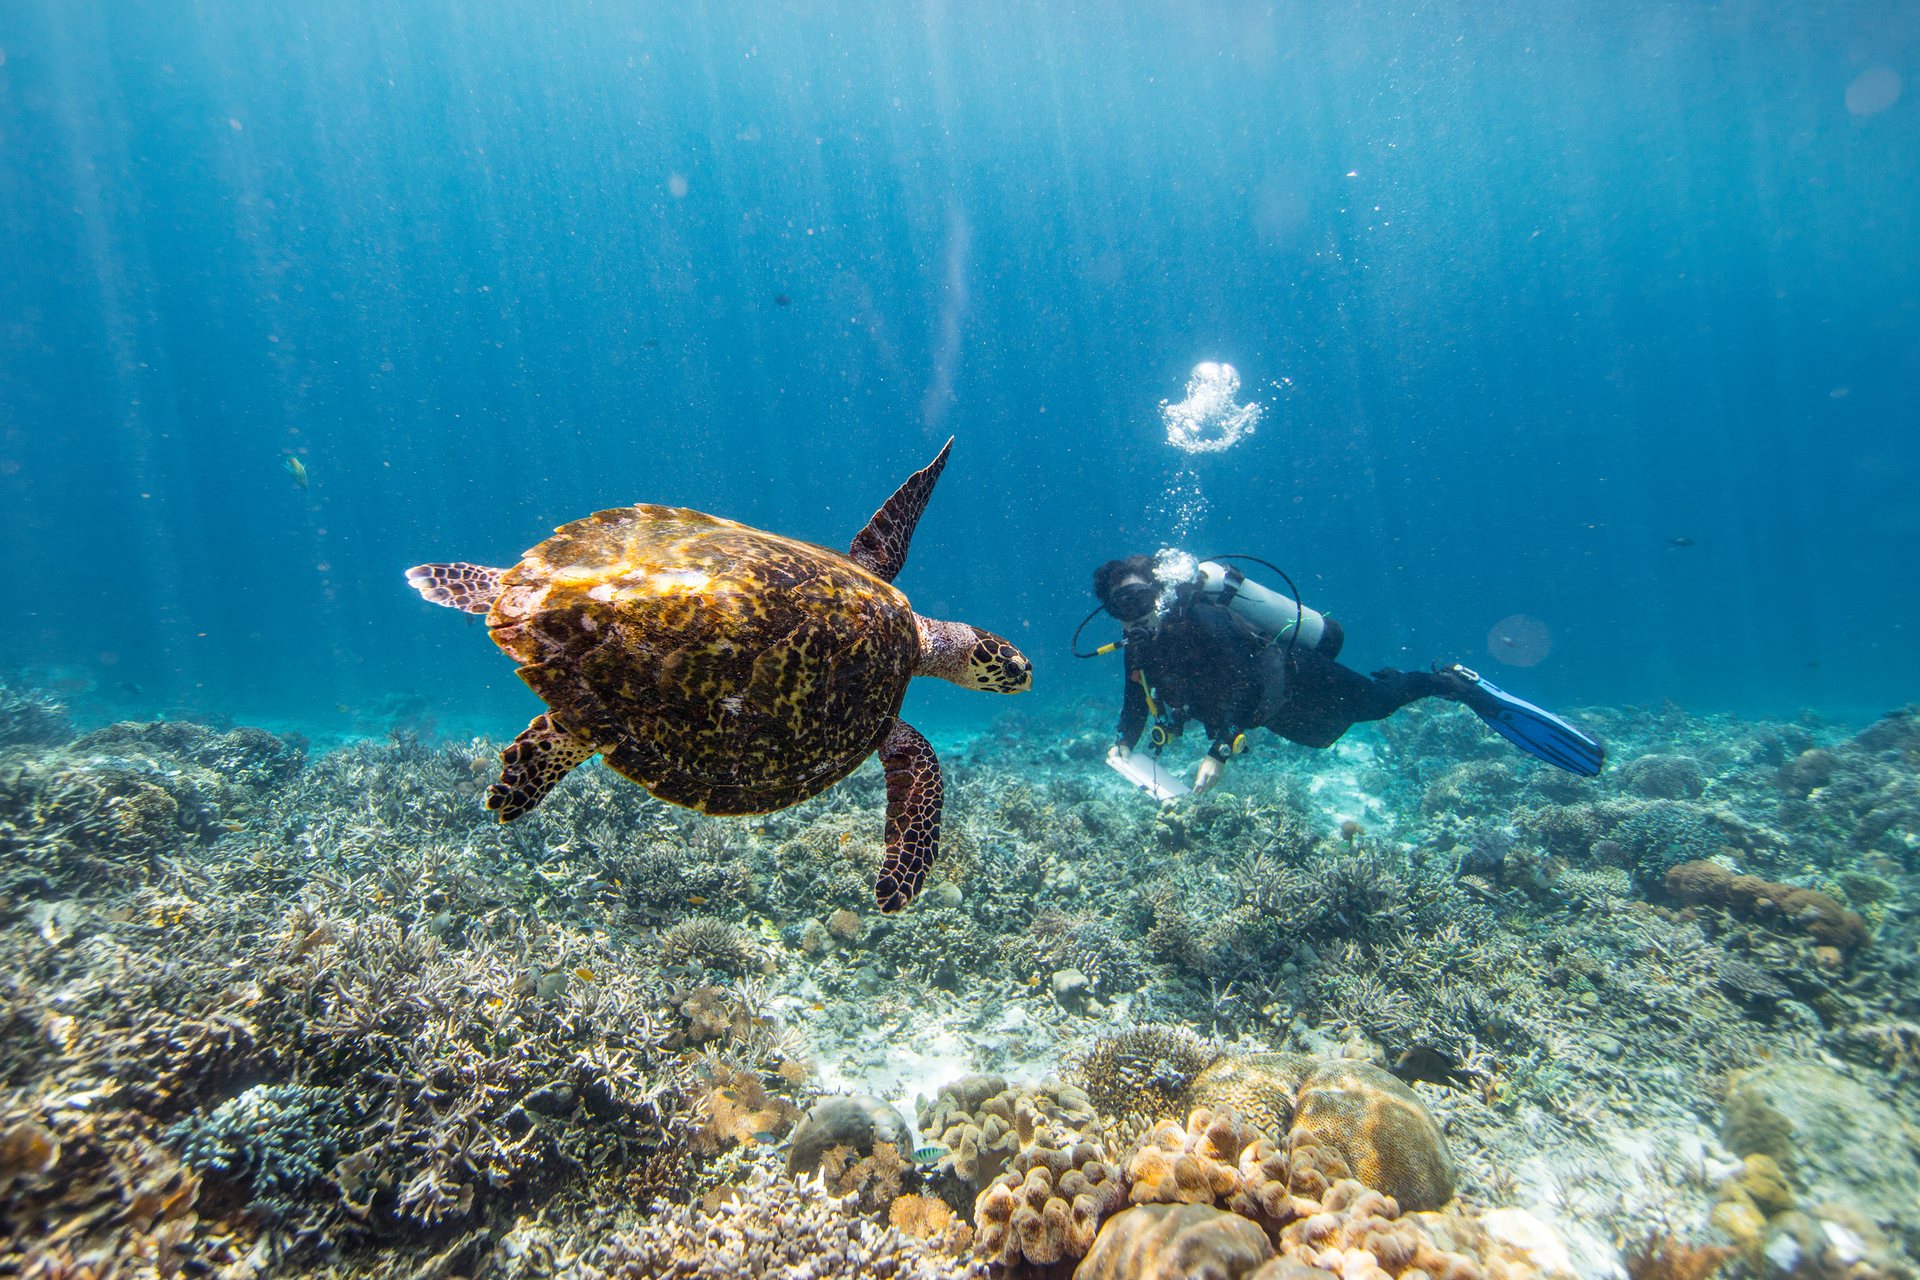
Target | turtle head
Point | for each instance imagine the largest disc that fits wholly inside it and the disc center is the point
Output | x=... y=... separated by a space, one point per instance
x=971 y=658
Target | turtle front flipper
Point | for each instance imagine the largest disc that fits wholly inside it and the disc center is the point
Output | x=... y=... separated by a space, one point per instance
x=914 y=792
x=471 y=588
x=533 y=765
x=881 y=547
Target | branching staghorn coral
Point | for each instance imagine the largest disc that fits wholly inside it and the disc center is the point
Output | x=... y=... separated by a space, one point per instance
x=774 y=1229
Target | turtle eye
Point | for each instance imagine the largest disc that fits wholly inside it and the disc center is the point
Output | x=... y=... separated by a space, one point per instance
x=997 y=667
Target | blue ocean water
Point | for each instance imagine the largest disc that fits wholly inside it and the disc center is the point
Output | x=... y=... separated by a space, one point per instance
x=1603 y=317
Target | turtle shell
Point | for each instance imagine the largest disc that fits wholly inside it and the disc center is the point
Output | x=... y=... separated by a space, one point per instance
x=721 y=667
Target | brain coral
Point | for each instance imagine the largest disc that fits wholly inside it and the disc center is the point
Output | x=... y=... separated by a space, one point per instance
x=1378 y=1126
x=1259 y=1087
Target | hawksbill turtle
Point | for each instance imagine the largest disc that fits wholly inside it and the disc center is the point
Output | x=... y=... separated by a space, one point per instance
x=727 y=669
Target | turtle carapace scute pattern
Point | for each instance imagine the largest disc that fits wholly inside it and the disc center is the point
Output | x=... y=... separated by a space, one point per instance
x=725 y=668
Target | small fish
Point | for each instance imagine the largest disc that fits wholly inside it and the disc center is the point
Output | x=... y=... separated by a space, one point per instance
x=928 y=1155
x=782 y=300
x=694 y=899
x=1680 y=540
x=1034 y=981
x=298 y=470
x=817 y=1007
x=766 y=1137
x=231 y=825
x=585 y=974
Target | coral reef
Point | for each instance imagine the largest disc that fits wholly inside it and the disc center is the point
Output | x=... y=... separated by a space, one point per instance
x=981 y=1121
x=1049 y=1204
x=1802 y=1124
x=30 y=716
x=774 y=1229
x=855 y=1123
x=265 y=1012
x=1175 y=1242
x=1379 y=1128
x=1806 y=910
x=1144 y=1071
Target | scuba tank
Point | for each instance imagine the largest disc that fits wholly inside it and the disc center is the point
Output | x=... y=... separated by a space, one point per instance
x=1271 y=613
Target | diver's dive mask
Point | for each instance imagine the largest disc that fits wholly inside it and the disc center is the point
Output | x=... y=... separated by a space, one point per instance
x=1133 y=600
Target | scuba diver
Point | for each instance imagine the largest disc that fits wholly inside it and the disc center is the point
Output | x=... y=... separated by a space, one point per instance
x=1205 y=644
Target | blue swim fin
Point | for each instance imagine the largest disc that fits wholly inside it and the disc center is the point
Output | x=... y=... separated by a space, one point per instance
x=1537 y=732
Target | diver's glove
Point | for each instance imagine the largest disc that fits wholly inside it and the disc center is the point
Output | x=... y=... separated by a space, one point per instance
x=1118 y=751
x=1211 y=767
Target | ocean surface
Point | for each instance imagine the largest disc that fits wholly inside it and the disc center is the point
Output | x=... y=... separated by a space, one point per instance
x=1603 y=318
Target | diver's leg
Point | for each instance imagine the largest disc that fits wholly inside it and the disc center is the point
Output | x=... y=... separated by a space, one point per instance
x=1327 y=699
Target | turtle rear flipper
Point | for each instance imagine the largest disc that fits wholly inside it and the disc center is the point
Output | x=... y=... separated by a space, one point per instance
x=881 y=547
x=533 y=765
x=914 y=790
x=471 y=588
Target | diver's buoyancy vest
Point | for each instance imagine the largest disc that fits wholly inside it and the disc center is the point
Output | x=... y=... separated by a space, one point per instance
x=1271 y=613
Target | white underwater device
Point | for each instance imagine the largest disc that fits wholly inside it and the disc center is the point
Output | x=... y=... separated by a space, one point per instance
x=1145 y=773
x=1272 y=613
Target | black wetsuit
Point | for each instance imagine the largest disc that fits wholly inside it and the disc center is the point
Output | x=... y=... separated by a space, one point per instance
x=1204 y=664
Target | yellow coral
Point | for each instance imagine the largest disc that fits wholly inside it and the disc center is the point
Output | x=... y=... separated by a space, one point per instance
x=1762 y=1181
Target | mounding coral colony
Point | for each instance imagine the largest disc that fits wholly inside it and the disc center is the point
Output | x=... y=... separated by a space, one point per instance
x=1413 y=1008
